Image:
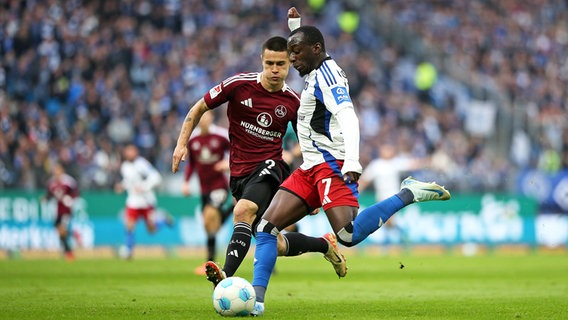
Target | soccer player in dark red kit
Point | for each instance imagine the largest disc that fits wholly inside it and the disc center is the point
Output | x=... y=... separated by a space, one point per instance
x=207 y=147
x=63 y=188
x=260 y=106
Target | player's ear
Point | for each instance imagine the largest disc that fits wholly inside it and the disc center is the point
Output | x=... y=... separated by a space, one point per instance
x=316 y=48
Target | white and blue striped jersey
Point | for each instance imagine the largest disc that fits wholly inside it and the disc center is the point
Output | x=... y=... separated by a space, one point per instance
x=325 y=94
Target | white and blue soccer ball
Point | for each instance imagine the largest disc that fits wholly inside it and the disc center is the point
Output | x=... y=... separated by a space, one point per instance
x=234 y=297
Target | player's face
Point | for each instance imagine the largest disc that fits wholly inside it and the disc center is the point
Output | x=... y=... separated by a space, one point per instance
x=275 y=67
x=58 y=170
x=302 y=55
x=130 y=153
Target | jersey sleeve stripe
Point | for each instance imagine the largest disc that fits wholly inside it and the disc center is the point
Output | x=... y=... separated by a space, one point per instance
x=240 y=77
x=325 y=68
x=325 y=76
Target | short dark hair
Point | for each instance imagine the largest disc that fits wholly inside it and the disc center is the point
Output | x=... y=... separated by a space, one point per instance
x=275 y=44
x=312 y=35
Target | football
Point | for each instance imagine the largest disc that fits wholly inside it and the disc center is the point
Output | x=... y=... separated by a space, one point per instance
x=234 y=297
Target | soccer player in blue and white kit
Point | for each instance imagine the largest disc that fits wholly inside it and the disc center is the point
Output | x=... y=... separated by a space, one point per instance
x=328 y=133
x=140 y=180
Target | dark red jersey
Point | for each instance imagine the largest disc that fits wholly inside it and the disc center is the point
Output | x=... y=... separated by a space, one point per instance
x=258 y=119
x=205 y=150
x=64 y=190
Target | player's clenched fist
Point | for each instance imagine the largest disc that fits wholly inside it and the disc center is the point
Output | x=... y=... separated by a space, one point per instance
x=293 y=13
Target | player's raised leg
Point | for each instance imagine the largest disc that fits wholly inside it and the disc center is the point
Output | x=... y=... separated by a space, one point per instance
x=373 y=217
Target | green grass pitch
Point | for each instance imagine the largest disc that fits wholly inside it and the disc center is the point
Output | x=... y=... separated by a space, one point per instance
x=533 y=286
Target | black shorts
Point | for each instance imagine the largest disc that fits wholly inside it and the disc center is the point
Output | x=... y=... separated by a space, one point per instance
x=63 y=219
x=217 y=199
x=261 y=184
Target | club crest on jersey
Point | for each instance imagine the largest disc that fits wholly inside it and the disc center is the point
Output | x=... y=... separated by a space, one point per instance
x=341 y=95
x=280 y=111
x=264 y=119
x=215 y=91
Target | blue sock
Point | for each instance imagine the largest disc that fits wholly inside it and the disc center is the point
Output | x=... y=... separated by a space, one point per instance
x=129 y=240
x=373 y=217
x=264 y=259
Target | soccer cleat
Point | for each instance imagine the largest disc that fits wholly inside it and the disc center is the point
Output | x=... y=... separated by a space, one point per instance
x=425 y=191
x=214 y=273
x=258 y=310
x=69 y=256
x=334 y=256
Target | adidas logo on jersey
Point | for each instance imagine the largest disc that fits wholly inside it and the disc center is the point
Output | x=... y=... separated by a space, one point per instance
x=263 y=172
x=247 y=102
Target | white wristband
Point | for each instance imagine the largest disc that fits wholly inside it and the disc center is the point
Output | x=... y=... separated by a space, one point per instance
x=351 y=166
x=294 y=23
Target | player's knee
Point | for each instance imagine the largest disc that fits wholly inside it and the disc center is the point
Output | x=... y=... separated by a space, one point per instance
x=243 y=216
x=245 y=212
x=130 y=223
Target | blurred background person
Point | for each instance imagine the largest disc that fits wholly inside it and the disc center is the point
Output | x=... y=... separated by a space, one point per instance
x=63 y=188
x=139 y=180
x=208 y=149
x=384 y=175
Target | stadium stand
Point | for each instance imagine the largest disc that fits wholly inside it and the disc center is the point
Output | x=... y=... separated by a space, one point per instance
x=80 y=79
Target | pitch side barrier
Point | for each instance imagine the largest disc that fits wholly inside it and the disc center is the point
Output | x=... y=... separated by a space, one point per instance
x=26 y=222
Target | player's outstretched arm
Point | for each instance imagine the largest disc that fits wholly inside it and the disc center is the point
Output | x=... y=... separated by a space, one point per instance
x=191 y=120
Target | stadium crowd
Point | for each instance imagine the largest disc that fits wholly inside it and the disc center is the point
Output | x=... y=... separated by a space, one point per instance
x=81 y=79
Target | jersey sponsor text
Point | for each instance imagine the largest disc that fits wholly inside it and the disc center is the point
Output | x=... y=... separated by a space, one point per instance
x=260 y=132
